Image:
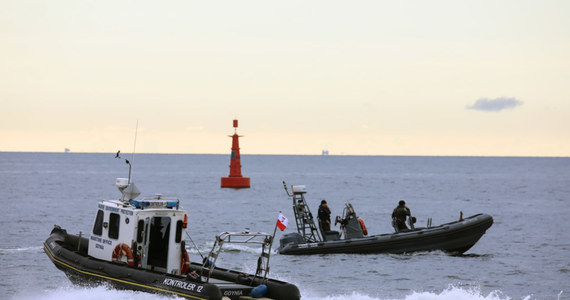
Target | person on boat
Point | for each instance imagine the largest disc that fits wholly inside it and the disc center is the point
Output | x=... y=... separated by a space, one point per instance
x=325 y=216
x=400 y=213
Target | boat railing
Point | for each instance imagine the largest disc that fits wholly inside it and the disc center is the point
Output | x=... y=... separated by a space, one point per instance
x=246 y=237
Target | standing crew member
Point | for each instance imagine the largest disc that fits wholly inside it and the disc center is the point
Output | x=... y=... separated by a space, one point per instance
x=325 y=216
x=400 y=213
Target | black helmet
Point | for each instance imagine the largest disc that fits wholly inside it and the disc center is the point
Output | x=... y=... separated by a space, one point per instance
x=402 y=203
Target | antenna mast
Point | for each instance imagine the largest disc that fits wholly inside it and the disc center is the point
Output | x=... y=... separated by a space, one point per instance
x=134 y=147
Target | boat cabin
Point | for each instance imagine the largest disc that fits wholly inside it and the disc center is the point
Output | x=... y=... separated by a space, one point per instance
x=145 y=233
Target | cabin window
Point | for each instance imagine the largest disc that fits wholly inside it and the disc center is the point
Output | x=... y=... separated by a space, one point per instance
x=178 y=231
x=98 y=226
x=140 y=231
x=114 y=222
x=145 y=232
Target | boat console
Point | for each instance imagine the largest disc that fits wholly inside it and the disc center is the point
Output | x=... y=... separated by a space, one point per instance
x=351 y=225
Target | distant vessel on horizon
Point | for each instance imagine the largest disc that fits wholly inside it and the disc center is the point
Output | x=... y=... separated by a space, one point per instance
x=67 y=150
x=325 y=152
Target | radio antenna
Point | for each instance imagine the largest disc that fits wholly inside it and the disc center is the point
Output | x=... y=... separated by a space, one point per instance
x=134 y=147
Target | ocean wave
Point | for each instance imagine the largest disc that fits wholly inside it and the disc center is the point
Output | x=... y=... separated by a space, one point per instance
x=89 y=293
x=451 y=293
x=37 y=249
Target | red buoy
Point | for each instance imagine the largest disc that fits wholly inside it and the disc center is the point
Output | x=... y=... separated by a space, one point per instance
x=235 y=180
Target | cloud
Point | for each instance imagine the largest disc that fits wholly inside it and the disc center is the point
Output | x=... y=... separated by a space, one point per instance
x=496 y=104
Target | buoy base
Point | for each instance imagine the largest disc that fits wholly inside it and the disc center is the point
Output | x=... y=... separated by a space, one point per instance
x=235 y=182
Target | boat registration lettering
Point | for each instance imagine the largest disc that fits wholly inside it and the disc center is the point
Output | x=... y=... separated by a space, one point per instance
x=126 y=212
x=102 y=241
x=182 y=285
x=113 y=209
x=233 y=293
x=309 y=245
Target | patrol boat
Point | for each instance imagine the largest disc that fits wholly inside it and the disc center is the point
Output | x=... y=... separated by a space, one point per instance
x=139 y=245
x=454 y=237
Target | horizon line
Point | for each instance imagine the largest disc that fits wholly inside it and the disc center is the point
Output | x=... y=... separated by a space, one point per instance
x=259 y=154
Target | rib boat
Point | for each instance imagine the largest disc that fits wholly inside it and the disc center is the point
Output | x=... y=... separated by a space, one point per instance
x=454 y=237
x=140 y=245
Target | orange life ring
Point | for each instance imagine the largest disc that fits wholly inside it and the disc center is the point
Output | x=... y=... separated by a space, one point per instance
x=185 y=262
x=364 y=231
x=121 y=250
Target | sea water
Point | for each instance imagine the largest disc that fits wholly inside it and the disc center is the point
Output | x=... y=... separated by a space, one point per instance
x=524 y=255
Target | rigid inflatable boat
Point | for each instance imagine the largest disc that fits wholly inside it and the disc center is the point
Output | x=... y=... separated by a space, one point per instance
x=139 y=245
x=454 y=237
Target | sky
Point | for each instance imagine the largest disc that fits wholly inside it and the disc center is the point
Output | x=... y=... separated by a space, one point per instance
x=466 y=78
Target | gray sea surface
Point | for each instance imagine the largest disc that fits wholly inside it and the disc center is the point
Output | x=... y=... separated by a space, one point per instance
x=524 y=255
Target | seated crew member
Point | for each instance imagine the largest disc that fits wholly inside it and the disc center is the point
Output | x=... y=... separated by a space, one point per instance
x=325 y=216
x=400 y=213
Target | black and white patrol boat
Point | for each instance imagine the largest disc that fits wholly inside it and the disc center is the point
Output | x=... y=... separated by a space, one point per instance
x=140 y=245
x=454 y=237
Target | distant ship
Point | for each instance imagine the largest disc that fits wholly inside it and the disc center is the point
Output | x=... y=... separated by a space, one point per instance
x=325 y=152
x=67 y=150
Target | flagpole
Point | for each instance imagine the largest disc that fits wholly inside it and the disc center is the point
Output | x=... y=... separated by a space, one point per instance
x=274 y=232
x=271 y=244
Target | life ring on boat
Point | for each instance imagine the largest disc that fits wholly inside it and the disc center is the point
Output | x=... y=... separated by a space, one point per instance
x=363 y=226
x=185 y=262
x=121 y=250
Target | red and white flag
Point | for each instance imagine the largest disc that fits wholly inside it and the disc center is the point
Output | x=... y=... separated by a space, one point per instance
x=282 y=222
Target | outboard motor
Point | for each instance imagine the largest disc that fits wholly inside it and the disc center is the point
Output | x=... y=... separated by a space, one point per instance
x=291 y=238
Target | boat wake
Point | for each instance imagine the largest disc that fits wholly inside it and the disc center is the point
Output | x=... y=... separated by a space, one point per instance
x=88 y=293
x=102 y=292
x=227 y=248
x=451 y=293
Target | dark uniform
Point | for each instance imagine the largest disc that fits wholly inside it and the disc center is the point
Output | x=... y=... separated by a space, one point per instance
x=400 y=213
x=324 y=216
